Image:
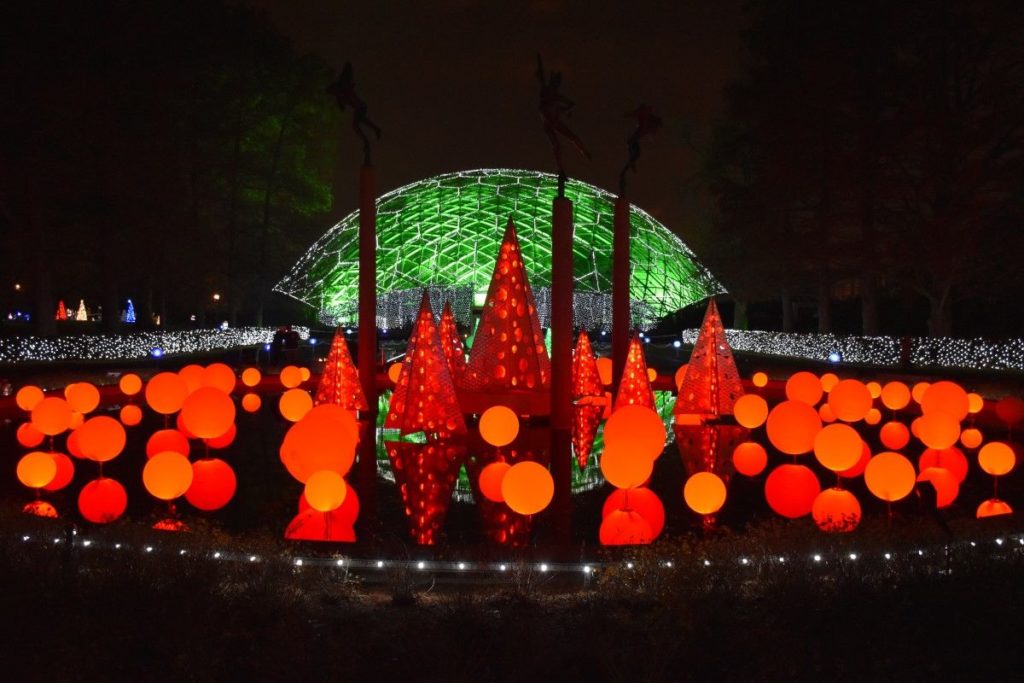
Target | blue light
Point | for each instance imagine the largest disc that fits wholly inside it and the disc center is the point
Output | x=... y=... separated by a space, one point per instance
x=266 y=347
x=677 y=343
x=835 y=357
x=156 y=352
x=312 y=341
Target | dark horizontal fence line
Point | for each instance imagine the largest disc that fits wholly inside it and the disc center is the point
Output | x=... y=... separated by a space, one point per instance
x=133 y=346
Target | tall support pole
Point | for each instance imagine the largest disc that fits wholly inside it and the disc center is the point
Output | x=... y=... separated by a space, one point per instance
x=561 y=364
x=367 y=349
x=620 y=290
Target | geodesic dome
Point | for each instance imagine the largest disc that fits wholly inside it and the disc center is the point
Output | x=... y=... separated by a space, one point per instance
x=443 y=233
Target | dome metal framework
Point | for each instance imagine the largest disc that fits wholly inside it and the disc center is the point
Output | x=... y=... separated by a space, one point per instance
x=443 y=233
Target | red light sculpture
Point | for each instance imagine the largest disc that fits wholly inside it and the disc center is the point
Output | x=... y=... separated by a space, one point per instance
x=62 y=311
x=425 y=475
x=634 y=385
x=501 y=525
x=339 y=383
x=451 y=343
x=424 y=398
x=586 y=382
x=711 y=384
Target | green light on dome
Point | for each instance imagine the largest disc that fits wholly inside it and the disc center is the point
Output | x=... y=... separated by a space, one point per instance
x=444 y=232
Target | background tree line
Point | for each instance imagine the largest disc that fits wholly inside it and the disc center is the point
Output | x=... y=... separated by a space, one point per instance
x=159 y=151
x=872 y=151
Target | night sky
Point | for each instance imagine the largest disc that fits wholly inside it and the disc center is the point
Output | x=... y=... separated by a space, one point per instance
x=452 y=84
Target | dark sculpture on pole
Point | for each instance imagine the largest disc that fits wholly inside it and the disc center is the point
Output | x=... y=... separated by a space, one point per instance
x=553 y=105
x=647 y=123
x=344 y=92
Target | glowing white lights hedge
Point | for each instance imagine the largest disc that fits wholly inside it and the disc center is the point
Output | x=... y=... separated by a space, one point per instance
x=137 y=345
x=938 y=352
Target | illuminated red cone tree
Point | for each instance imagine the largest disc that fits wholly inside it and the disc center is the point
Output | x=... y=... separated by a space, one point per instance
x=635 y=385
x=424 y=398
x=451 y=343
x=62 y=311
x=711 y=384
x=339 y=383
x=585 y=421
x=508 y=352
x=585 y=379
x=425 y=475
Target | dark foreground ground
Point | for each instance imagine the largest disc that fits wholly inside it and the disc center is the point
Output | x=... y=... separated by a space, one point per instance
x=127 y=615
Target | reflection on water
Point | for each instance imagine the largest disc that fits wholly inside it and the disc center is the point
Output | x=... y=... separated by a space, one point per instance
x=708 y=448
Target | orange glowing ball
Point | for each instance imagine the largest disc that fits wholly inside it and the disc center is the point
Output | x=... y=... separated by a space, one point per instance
x=947 y=488
x=77 y=420
x=73 y=447
x=915 y=427
x=792 y=426
x=28 y=436
x=652 y=374
x=890 y=476
x=838 y=447
x=638 y=429
x=192 y=376
x=836 y=511
x=894 y=435
x=499 y=426
x=167 y=475
x=51 y=416
x=130 y=415
x=166 y=392
x=640 y=500
x=208 y=412
x=938 y=430
x=102 y=500
x=946 y=397
x=804 y=387
x=826 y=414
x=996 y=458
x=971 y=438
x=305 y=373
x=625 y=527
x=346 y=514
x=65 y=472
x=1010 y=410
x=167 y=440
x=527 y=487
x=490 y=481
x=750 y=458
x=993 y=507
x=951 y=459
x=130 y=384
x=102 y=438
x=624 y=468
x=751 y=410
x=219 y=376
x=873 y=417
x=874 y=388
x=224 y=440
x=850 y=400
x=679 y=375
x=759 y=379
x=791 y=489
x=604 y=370
x=28 y=397
x=704 y=493
x=294 y=404
x=36 y=469
x=325 y=490
x=180 y=425
x=251 y=402
x=251 y=377
x=975 y=403
x=83 y=397
x=828 y=381
x=862 y=463
x=290 y=377
x=325 y=439
x=395 y=372
x=895 y=395
x=917 y=393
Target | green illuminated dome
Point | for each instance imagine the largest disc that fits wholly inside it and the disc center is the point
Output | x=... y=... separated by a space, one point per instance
x=443 y=233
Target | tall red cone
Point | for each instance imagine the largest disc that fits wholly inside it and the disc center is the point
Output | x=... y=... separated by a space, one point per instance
x=424 y=398
x=62 y=311
x=585 y=378
x=508 y=352
x=451 y=343
x=711 y=384
x=339 y=383
x=425 y=474
x=635 y=385
x=585 y=420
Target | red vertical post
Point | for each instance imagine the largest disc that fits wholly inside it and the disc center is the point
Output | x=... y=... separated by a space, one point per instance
x=367 y=350
x=561 y=364
x=620 y=291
